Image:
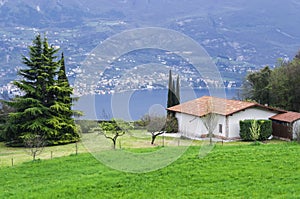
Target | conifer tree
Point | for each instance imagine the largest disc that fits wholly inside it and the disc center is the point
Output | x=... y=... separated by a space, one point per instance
x=170 y=91
x=173 y=91
x=178 y=89
x=40 y=111
x=62 y=107
x=173 y=99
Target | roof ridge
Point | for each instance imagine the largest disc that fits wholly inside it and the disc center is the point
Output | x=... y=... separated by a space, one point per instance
x=200 y=107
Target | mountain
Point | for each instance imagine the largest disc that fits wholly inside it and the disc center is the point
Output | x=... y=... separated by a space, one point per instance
x=253 y=33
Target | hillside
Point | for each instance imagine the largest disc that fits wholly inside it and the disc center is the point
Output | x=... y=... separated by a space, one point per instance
x=243 y=34
x=265 y=171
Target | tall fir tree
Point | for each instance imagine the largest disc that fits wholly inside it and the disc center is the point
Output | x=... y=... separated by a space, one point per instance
x=62 y=107
x=36 y=111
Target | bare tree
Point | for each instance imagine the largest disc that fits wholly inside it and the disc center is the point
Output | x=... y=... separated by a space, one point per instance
x=210 y=120
x=156 y=127
x=114 y=138
x=34 y=144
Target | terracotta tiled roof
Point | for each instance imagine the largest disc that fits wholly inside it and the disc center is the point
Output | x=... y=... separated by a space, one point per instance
x=201 y=106
x=287 y=117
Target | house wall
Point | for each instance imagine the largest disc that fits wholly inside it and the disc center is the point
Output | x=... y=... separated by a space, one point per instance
x=193 y=127
x=250 y=113
x=296 y=128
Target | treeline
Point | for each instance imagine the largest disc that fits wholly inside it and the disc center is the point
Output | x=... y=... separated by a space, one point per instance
x=278 y=87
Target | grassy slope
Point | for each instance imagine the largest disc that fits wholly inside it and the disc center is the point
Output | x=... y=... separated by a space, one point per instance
x=21 y=155
x=264 y=171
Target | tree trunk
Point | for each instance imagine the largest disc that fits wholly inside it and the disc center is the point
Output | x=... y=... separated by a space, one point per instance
x=152 y=140
x=33 y=155
x=114 y=143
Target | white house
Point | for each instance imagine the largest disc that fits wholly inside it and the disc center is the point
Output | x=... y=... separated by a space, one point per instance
x=286 y=125
x=229 y=113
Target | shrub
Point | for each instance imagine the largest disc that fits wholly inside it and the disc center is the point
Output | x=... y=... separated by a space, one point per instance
x=86 y=125
x=156 y=124
x=265 y=129
x=171 y=125
x=142 y=123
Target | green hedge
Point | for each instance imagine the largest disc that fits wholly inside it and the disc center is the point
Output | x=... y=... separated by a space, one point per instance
x=265 y=129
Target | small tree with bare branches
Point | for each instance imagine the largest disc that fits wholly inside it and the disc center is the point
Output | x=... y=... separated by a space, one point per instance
x=34 y=144
x=156 y=127
x=210 y=120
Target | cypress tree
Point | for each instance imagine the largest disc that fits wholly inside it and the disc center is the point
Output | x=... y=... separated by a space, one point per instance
x=170 y=91
x=173 y=99
x=178 y=89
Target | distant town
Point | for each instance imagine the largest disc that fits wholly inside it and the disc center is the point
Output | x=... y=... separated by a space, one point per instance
x=116 y=78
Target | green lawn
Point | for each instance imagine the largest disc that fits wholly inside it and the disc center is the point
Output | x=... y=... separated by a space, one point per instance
x=229 y=171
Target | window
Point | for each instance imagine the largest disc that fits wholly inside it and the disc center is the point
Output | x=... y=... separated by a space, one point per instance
x=220 y=128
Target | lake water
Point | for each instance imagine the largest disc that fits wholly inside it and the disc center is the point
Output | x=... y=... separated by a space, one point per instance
x=133 y=105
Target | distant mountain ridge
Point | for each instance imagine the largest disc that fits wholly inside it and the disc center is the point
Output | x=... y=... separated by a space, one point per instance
x=255 y=32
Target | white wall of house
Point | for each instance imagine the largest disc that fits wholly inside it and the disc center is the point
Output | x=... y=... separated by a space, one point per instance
x=296 y=128
x=193 y=127
x=189 y=125
x=250 y=113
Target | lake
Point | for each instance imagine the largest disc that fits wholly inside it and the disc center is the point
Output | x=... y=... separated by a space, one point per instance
x=132 y=105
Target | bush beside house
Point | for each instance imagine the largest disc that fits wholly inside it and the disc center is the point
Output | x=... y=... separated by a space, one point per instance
x=265 y=129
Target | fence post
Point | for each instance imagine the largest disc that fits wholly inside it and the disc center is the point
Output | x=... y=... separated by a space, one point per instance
x=12 y=161
x=76 y=146
x=51 y=156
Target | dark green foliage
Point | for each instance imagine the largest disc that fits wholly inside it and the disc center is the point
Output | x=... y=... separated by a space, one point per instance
x=256 y=86
x=173 y=100
x=171 y=125
x=265 y=129
x=170 y=91
x=278 y=87
x=285 y=84
x=45 y=108
x=173 y=91
x=4 y=112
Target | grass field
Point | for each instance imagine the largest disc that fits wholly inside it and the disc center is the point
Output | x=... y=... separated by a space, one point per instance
x=229 y=171
x=137 y=139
